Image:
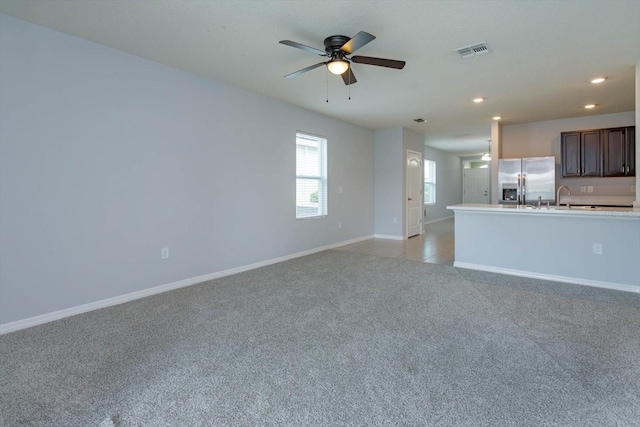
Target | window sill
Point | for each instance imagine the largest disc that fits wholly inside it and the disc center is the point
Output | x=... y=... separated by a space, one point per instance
x=311 y=217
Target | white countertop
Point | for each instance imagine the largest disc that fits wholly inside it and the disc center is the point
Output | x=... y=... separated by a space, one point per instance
x=599 y=212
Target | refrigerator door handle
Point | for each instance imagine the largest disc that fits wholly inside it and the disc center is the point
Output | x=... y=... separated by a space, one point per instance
x=524 y=188
x=518 y=192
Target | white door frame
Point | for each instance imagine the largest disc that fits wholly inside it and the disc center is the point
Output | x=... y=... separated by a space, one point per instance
x=411 y=155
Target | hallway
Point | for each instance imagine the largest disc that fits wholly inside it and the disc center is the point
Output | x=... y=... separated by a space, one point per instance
x=435 y=246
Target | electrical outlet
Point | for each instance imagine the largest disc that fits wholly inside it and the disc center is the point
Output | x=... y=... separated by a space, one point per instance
x=164 y=253
x=395 y=219
x=583 y=189
x=339 y=224
x=590 y=189
x=340 y=189
x=597 y=248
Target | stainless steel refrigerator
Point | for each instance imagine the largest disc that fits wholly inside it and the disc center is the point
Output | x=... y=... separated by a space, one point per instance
x=522 y=181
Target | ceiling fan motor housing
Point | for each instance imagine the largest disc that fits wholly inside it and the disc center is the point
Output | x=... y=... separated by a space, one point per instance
x=333 y=44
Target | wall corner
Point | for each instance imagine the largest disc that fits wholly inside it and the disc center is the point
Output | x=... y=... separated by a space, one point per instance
x=637 y=202
x=496 y=154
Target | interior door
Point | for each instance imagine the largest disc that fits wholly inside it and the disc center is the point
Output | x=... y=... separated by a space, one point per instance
x=414 y=193
x=476 y=185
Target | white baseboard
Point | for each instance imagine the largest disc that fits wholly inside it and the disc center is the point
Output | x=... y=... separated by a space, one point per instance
x=553 y=278
x=438 y=220
x=72 y=311
x=385 y=236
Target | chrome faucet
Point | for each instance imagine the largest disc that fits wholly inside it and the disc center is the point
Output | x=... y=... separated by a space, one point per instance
x=558 y=194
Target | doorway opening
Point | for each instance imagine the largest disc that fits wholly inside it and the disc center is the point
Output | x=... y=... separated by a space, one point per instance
x=475 y=181
x=414 y=194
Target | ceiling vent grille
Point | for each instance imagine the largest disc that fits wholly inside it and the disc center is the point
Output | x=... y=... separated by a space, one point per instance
x=472 y=51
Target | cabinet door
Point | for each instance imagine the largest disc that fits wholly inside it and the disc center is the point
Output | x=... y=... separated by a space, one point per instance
x=570 y=147
x=591 y=159
x=631 y=150
x=615 y=152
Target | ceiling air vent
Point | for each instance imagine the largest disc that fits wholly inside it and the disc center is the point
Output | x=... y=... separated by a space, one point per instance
x=474 y=50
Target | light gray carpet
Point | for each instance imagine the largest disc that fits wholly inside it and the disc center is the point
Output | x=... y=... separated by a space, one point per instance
x=336 y=338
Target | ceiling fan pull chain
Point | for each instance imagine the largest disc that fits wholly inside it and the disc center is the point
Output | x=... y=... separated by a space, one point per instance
x=349 y=86
x=327 y=85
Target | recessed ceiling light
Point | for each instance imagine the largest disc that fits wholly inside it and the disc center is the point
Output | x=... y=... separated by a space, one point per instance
x=478 y=100
x=590 y=106
x=420 y=120
x=598 y=80
x=497 y=117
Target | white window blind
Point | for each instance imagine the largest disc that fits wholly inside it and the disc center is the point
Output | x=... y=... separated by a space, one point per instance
x=311 y=176
x=429 y=182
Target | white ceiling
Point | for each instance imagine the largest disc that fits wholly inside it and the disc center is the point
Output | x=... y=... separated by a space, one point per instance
x=543 y=55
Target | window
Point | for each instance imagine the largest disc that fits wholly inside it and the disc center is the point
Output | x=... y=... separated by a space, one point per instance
x=311 y=176
x=429 y=182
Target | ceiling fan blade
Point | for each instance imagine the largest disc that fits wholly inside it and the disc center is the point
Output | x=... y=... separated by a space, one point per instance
x=303 y=47
x=357 y=42
x=380 y=62
x=304 y=70
x=348 y=77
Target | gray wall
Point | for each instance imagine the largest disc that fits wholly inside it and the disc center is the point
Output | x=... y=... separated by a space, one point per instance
x=448 y=183
x=388 y=182
x=543 y=139
x=106 y=157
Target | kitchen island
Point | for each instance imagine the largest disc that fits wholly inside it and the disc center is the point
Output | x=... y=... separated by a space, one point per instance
x=596 y=247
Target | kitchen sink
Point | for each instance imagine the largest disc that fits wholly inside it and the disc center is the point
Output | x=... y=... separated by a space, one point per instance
x=544 y=207
x=583 y=208
x=552 y=207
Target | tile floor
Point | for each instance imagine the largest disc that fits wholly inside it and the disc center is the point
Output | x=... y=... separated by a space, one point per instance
x=435 y=246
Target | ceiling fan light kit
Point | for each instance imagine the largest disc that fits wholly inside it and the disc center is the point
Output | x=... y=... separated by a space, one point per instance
x=487 y=156
x=338 y=48
x=337 y=66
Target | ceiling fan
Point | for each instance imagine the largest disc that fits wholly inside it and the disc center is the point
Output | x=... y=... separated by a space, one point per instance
x=337 y=48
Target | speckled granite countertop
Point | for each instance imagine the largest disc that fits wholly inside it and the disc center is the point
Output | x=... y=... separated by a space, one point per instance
x=600 y=211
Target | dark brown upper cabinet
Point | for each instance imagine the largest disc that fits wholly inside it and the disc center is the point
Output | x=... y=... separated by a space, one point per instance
x=599 y=152
x=619 y=151
x=631 y=147
x=581 y=153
